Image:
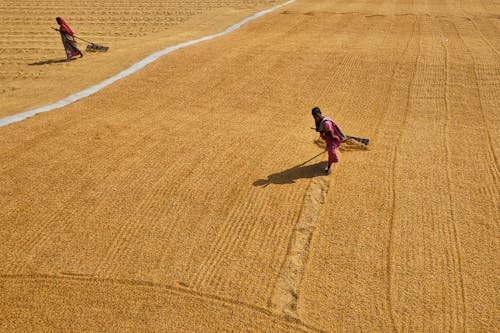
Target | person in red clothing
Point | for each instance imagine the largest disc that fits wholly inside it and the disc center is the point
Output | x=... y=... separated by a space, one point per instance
x=68 y=39
x=331 y=133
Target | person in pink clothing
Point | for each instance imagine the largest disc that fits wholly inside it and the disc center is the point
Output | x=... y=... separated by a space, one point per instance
x=331 y=133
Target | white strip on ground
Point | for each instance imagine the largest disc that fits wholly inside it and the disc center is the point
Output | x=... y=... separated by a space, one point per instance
x=132 y=69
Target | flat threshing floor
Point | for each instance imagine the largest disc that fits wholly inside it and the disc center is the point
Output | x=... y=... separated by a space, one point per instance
x=190 y=197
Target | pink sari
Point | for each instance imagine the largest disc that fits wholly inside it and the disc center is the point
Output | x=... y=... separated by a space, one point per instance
x=332 y=142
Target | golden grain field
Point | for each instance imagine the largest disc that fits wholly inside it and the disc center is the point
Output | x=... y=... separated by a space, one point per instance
x=190 y=196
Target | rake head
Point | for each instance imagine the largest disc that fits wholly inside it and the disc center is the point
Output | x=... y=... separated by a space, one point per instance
x=362 y=140
x=96 y=48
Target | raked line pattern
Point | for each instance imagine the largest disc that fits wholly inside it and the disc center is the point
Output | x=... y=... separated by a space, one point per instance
x=132 y=69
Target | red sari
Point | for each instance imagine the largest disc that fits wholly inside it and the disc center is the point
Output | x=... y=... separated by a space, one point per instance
x=68 y=39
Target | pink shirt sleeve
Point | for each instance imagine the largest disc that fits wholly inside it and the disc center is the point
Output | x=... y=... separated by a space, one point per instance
x=327 y=126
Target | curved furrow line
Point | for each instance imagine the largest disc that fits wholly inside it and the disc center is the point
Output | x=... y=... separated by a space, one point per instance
x=219 y=243
x=130 y=231
x=232 y=225
x=129 y=239
x=133 y=184
x=188 y=196
x=239 y=238
x=393 y=184
x=275 y=238
x=383 y=103
x=125 y=231
x=352 y=108
x=29 y=242
x=334 y=61
x=264 y=284
x=35 y=235
x=285 y=239
x=207 y=228
x=377 y=78
x=229 y=228
x=431 y=95
x=342 y=79
x=222 y=197
x=254 y=285
x=453 y=232
x=494 y=166
x=287 y=289
x=329 y=85
x=389 y=251
x=215 y=253
x=37 y=238
x=484 y=38
x=224 y=301
x=355 y=83
x=342 y=67
x=228 y=149
x=234 y=238
x=248 y=245
x=237 y=241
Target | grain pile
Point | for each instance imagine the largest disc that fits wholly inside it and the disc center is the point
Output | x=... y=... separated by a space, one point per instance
x=189 y=196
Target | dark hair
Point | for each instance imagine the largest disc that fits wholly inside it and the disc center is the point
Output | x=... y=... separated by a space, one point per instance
x=315 y=111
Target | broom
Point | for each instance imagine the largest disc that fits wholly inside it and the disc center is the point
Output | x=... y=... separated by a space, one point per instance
x=91 y=47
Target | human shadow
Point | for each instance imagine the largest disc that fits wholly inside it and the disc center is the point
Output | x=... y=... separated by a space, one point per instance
x=48 y=62
x=289 y=176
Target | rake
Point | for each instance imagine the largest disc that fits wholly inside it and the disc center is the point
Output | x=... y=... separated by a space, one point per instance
x=347 y=137
x=91 y=47
x=363 y=141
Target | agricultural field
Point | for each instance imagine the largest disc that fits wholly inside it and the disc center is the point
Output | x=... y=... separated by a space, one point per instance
x=190 y=196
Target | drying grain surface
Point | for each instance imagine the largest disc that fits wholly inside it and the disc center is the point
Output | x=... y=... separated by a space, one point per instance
x=190 y=196
x=33 y=71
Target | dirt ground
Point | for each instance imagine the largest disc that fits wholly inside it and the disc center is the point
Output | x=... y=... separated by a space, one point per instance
x=190 y=197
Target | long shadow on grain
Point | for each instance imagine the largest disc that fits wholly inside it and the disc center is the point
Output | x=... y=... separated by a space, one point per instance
x=48 y=62
x=289 y=176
